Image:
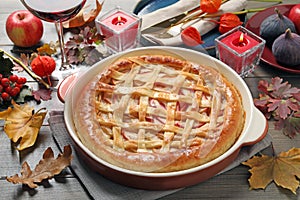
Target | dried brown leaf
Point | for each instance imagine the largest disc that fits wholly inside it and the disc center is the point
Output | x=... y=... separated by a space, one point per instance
x=82 y=17
x=283 y=169
x=22 y=123
x=47 y=168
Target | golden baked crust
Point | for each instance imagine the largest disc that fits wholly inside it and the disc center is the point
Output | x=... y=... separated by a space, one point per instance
x=156 y=113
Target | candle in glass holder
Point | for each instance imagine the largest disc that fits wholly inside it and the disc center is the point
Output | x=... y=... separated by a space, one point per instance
x=121 y=29
x=240 y=49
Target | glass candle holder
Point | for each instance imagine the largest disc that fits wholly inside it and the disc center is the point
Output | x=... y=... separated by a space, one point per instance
x=240 y=49
x=121 y=29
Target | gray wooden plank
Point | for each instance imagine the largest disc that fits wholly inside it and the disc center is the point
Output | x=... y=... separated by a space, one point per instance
x=67 y=188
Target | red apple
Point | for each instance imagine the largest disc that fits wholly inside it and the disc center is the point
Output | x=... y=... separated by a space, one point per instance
x=294 y=15
x=24 y=29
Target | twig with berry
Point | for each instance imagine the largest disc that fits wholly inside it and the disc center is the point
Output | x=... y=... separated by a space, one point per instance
x=33 y=75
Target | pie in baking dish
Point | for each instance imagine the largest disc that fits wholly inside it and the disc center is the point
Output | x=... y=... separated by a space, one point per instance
x=158 y=113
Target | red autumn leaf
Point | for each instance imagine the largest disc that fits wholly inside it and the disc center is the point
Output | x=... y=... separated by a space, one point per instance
x=42 y=94
x=282 y=108
x=210 y=6
x=281 y=101
x=191 y=36
x=228 y=21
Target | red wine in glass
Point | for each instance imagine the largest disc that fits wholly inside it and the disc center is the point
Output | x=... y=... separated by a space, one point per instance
x=56 y=11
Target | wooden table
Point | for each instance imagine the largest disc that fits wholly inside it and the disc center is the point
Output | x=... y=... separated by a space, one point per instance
x=232 y=184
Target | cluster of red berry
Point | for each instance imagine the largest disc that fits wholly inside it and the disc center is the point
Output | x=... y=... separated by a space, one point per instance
x=11 y=86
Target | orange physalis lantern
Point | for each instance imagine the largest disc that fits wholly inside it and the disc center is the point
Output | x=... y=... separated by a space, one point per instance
x=43 y=66
x=228 y=21
x=210 y=6
x=191 y=36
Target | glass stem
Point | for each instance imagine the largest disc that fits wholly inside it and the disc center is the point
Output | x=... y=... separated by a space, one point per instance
x=64 y=61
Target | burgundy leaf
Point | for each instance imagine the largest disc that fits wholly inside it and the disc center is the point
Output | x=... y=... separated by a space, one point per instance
x=42 y=94
x=263 y=86
x=281 y=101
x=291 y=127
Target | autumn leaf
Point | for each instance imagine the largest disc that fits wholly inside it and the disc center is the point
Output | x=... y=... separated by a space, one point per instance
x=283 y=169
x=42 y=94
x=82 y=17
x=48 y=49
x=22 y=123
x=5 y=65
x=82 y=47
x=282 y=102
x=47 y=168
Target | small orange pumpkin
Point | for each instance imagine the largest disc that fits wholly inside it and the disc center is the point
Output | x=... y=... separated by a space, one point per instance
x=210 y=6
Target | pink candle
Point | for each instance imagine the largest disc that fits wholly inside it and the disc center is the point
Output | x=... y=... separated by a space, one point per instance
x=120 y=29
x=240 y=49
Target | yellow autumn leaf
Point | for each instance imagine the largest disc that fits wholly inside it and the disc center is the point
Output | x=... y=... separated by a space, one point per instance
x=21 y=123
x=47 y=49
x=283 y=169
x=83 y=16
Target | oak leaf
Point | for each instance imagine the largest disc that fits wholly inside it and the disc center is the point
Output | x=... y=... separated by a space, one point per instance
x=47 y=168
x=84 y=17
x=283 y=169
x=22 y=123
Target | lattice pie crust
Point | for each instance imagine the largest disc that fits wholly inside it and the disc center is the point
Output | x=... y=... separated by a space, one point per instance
x=156 y=113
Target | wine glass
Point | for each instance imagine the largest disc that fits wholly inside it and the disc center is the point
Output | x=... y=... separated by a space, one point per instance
x=56 y=11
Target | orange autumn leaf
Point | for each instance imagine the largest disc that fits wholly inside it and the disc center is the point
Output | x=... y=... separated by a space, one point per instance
x=283 y=169
x=45 y=169
x=84 y=17
x=22 y=123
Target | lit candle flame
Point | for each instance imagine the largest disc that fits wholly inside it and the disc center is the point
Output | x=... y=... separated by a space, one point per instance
x=241 y=40
x=119 y=19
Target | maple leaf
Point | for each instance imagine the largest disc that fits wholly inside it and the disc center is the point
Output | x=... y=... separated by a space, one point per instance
x=283 y=169
x=22 y=123
x=47 y=168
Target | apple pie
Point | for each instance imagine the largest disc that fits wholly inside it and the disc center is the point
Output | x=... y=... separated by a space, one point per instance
x=159 y=113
